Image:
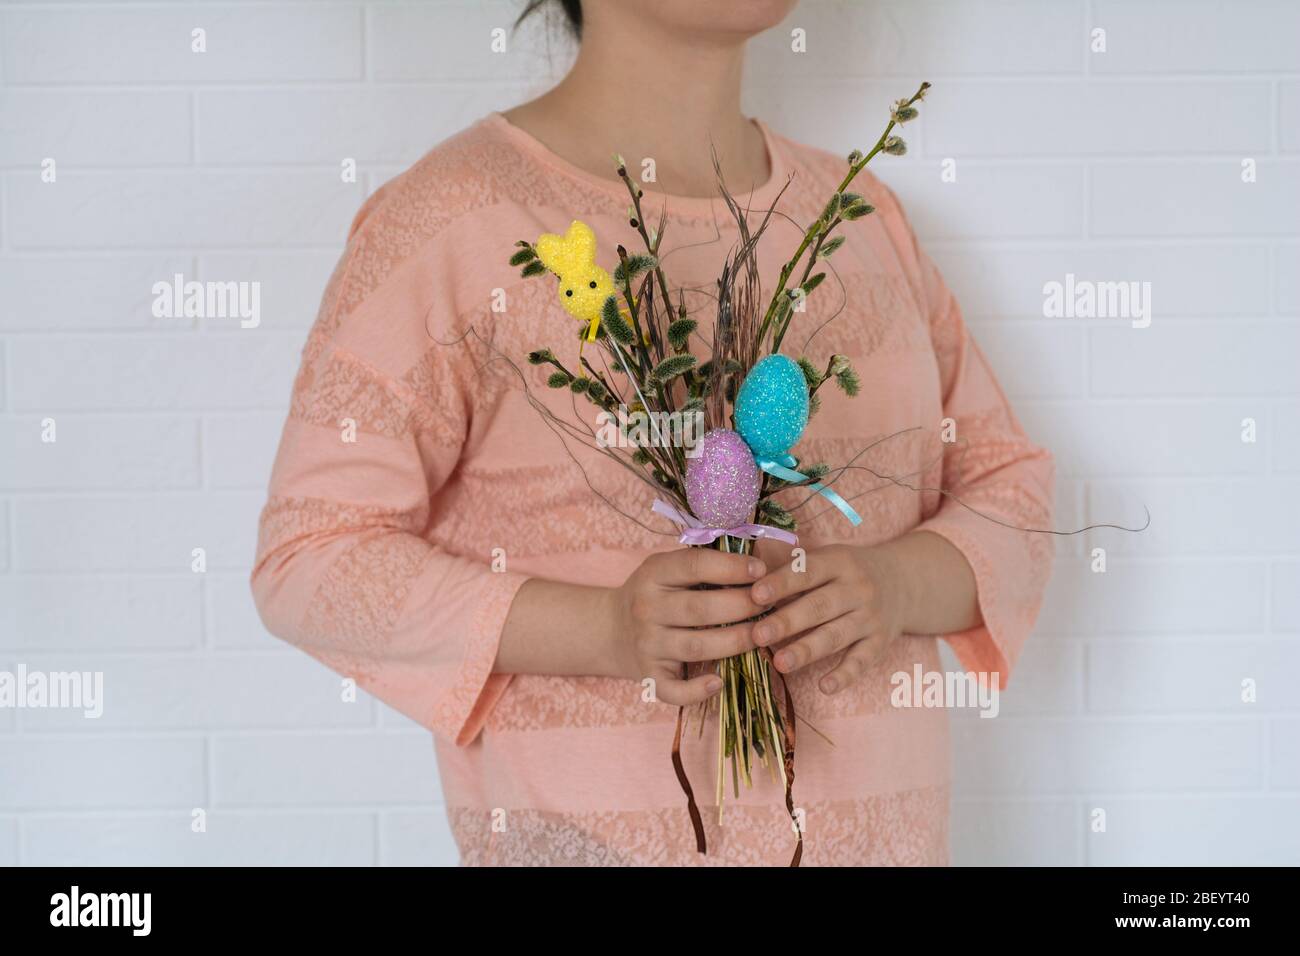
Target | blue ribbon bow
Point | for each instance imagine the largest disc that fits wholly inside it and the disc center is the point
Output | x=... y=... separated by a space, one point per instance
x=783 y=468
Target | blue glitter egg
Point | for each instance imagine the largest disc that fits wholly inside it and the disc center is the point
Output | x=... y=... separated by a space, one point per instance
x=772 y=406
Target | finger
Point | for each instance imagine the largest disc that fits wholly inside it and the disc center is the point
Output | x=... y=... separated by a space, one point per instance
x=772 y=552
x=672 y=689
x=687 y=566
x=830 y=638
x=682 y=608
x=808 y=611
x=712 y=644
x=790 y=579
x=858 y=659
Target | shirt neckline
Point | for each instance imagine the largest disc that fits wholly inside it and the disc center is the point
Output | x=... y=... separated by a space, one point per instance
x=760 y=198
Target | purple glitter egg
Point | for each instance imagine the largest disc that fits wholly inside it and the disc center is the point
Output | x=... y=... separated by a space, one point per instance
x=722 y=481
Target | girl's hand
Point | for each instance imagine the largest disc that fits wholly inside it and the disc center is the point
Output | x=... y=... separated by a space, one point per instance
x=660 y=624
x=847 y=598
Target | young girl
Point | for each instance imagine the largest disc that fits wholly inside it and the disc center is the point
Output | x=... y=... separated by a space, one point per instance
x=462 y=565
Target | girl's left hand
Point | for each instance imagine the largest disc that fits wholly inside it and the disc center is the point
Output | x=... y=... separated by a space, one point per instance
x=846 y=598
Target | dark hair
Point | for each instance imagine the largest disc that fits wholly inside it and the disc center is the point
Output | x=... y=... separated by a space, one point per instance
x=572 y=13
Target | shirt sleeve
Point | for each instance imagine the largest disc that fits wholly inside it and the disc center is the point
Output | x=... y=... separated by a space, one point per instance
x=991 y=471
x=343 y=569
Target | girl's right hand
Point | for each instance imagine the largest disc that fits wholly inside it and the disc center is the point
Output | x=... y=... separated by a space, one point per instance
x=660 y=623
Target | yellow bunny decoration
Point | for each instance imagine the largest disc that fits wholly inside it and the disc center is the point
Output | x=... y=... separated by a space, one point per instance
x=584 y=286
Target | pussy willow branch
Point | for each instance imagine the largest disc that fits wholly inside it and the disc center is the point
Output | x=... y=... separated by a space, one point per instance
x=652 y=247
x=810 y=235
x=643 y=360
x=658 y=450
x=674 y=457
x=578 y=432
x=647 y=297
x=779 y=336
x=600 y=378
x=826 y=377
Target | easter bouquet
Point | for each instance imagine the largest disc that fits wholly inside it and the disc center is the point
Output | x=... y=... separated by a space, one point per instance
x=655 y=376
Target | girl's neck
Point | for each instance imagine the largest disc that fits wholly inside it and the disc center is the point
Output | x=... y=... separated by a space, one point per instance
x=666 y=101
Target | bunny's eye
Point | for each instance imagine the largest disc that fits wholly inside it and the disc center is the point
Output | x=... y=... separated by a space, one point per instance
x=592 y=283
x=568 y=292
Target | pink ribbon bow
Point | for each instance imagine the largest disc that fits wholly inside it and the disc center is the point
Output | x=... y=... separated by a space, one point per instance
x=694 y=532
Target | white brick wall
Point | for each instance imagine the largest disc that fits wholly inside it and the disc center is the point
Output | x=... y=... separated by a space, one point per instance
x=1123 y=165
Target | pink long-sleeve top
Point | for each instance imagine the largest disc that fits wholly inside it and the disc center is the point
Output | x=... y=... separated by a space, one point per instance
x=394 y=557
